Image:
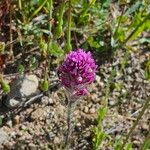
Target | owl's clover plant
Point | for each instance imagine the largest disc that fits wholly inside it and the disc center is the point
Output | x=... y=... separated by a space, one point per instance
x=75 y=74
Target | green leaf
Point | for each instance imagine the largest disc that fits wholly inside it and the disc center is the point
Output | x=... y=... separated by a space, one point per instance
x=101 y=114
x=5 y=87
x=105 y=3
x=20 y=69
x=144 y=40
x=37 y=10
x=120 y=34
x=45 y=85
x=117 y=144
x=56 y=50
x=93 y=43
x=133 y=8
x=146 y=145
x=144 y=26
x=129 y=146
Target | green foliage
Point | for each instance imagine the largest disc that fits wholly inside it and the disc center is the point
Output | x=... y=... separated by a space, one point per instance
x=117 y=144
x=5 y=87
x=128 y=146
x=131 y=23
x=146 y=145
x=45 y=84
x=101 y=114
x=20 y=69
x=56 y=50
x=99 y=135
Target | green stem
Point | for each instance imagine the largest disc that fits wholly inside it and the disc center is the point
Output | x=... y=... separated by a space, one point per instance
x=68 y=45
x=119 y=21
x=50 y=7
x=20 y=4
x=146 y=105
x=60 y=19
x=107 y=92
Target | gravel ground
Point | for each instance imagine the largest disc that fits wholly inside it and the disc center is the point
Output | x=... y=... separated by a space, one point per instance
x=42 y=125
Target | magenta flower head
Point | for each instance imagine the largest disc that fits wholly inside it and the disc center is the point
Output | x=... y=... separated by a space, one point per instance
x=77 y=72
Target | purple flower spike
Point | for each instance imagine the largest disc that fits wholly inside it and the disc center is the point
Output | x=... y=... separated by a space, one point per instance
x=77 y=72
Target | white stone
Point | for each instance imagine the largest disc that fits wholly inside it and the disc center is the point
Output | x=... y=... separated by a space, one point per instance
x=21 y=88
x=3 y=136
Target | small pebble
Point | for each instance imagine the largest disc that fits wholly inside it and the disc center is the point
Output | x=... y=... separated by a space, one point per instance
x=44 y=100
x=57 y=140
x=50 y=101
x=145 y=126
x=16 y=119
x=9 y=123
x=23 y=127
x=86 y=109
x=92 y=110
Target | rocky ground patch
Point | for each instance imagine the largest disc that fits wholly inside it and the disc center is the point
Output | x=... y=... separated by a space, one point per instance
x=42 y=123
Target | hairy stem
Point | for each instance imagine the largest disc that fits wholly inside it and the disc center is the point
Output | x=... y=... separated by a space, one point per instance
x=68 y=125
x=146 y=105
x=70 y=110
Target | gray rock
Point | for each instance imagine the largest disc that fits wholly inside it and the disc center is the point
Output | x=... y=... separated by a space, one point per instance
x=3 y=136
x=22 y=88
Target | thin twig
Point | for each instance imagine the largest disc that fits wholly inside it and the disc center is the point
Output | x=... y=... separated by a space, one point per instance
x=10 y=30
x=31 y=100
x=113 y=129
